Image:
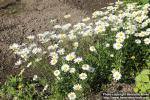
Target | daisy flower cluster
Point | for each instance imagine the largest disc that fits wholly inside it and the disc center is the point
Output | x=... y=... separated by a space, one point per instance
x=120 y=37
x=75 y=53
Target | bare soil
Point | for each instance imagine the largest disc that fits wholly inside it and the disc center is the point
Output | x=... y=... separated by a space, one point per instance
x=24 y=17
x=89 y=6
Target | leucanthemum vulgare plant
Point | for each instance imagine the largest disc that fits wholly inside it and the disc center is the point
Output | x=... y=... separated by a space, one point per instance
x=112 y=45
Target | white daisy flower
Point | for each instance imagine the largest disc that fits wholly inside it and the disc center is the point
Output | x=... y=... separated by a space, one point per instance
x=97 y=13
x=85 y=67
x=117 y=46
x=61 y=51
x=36 y=50
x=56 y=73
x=72 y=70
x=92 y=49
x=52 y=47
x=57 y=27
x=61 y=36
x=30 y=37
x=148 y=30
x=65 y=67
x=14 y=46
x=107 y=45
x=100 y=29
x=120 y=35
x=66 y=26
x=19 y=62
x=70 y=56
x=83 y=76
x=54 y=55
x=112 y=55
x=116 y=75
x=35 y=77
x=75 y=44
x=72 y=96
x=67 y=16
x=72 y=36
x=53 y=20
x=77 y=87
x=147 y=41
x=138 y=41
x=53 y=61
x=78 y=60
x=86 y=19
x=120 y=40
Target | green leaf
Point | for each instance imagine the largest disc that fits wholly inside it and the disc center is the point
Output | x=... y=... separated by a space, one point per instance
x=138 y=85
x=146 y=71
x=147 y=86
x=138 y=78
x=136 y=90
x=148 y=63
x=145 y=78
x=143 y=90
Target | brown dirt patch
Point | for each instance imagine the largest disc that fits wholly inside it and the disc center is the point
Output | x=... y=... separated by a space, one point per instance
x=89 y=6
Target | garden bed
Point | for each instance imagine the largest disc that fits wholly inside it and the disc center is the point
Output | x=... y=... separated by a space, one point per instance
x=76 y=57
x=20 y=18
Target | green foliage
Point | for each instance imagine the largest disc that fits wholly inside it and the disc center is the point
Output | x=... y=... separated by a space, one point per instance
x=134 y=59
x=18 y=88
x=138 y=1
x=143 y=82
